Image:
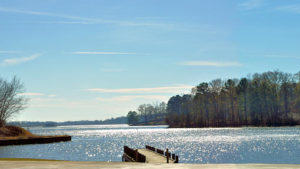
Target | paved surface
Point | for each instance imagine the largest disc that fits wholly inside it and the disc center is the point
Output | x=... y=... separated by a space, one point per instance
x=153 y=157
x=120 y=165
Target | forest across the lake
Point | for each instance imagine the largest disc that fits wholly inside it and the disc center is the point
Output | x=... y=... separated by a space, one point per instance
x=262 y=99
x=267 y=99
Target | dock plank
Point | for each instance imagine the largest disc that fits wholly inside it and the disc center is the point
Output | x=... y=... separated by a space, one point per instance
x=153 y=157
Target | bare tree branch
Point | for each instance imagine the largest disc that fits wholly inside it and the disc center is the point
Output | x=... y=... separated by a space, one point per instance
x=11 y=103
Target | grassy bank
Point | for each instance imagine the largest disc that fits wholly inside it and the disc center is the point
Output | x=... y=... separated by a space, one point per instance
x=13 y=135
x=14 y=132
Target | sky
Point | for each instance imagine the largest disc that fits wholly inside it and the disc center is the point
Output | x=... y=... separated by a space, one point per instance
x=98 y=59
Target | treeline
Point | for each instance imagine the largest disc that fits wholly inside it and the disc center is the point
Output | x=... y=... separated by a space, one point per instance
x=148 y=114
x=267 y=99
x=118 y=120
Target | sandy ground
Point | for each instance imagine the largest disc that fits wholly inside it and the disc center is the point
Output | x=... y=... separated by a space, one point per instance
x=121 y=165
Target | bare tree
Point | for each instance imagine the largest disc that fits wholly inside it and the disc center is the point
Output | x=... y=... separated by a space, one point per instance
x=11 y=100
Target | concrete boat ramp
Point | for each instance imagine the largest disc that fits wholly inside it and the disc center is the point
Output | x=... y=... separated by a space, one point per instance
x=132 y=165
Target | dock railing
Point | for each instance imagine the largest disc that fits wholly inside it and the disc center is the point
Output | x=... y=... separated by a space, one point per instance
x=166 y=153
x=134 y=155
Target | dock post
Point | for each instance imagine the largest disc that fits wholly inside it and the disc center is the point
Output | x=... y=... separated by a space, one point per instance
x=167 y=152
x=173 y=156
x=136 y=155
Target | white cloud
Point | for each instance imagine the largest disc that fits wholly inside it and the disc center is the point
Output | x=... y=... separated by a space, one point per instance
x=47 y=102
x=31 y=94
x=134 y=97
x=170 y=89
x=14 y=61
x=211 y=64
x=44 y=108
x=102 y=53
x=251 y=4
x=51 y=95
x=295 y=8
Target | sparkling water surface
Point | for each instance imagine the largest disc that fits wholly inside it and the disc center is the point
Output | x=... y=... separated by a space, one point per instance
x=206 y=145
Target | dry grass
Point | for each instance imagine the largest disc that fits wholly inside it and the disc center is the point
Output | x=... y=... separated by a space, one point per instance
x=15 y=133
x=12 y=135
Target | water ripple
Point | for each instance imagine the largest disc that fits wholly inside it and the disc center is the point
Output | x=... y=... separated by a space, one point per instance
x=209 y=145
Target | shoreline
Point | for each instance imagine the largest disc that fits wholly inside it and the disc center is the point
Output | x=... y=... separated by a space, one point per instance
x=242 y=126
x=15 y=135
x=34 y=140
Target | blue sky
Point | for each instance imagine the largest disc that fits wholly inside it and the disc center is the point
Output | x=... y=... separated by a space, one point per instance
x=97 y=59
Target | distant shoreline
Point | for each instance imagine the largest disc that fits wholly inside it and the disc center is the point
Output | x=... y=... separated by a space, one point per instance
x=158 y=124
x=117 y=120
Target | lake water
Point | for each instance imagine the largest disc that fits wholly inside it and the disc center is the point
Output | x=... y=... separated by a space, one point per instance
x=208 y=145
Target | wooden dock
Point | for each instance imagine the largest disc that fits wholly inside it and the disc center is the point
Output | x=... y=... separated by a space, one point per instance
x=149 y=155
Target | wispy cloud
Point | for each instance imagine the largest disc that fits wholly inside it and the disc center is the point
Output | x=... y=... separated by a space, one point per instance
x=134 y=97
x=79 y=19
x=152 y=17
x=270 y=55
x=251 y=4
x=31 y=94
x=102 y=53
x=168 y=89
x=152 y=22
x=63 y=22
x=12 y=10
x=19 y=60
x=211 y=64
x=8 y=52
x=34 y=94
x=295 y=8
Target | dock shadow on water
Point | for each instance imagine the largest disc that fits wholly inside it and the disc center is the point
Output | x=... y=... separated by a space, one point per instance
x=207 y=145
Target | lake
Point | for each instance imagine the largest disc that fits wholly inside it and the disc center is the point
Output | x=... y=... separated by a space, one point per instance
x=204 y=145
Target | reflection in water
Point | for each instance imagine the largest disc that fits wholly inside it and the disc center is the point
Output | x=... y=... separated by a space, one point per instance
x=209 y=145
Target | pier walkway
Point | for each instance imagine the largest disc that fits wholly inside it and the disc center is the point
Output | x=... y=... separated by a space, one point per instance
x=149 y=155
x=153 y=157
